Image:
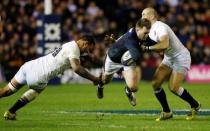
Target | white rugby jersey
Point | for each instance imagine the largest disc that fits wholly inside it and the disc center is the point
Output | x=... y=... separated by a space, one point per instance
x=159 y=29
x=57 y=62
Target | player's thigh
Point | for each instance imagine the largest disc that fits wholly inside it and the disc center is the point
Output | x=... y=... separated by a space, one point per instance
x=18 y=80
x=34 y=77
x=20 y=76
x=161 y=73
x=175 y=80
x=132 y=76
x=110 y=68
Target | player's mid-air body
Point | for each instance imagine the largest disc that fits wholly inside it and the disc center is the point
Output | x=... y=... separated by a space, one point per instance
x=38 y=72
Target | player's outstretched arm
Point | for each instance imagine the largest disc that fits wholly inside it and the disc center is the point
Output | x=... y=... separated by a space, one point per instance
x=161 y=45
x=76 y=67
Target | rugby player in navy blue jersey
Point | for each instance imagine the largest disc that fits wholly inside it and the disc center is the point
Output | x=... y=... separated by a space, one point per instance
x=117 y=60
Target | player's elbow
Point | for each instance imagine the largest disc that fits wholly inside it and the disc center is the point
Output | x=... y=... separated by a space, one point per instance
x=166 y=44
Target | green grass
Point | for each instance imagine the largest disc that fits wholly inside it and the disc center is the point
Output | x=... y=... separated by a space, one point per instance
x=57 y=108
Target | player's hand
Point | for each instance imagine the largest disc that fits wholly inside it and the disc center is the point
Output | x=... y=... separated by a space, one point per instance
x=145 y=48
x=109 y=38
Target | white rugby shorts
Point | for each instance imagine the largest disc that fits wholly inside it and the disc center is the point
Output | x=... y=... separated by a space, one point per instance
x=29 y=74
x=111 y=67
x=180 y=63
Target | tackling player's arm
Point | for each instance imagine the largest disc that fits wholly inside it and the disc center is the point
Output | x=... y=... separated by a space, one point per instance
x=162 y=44
x=77 y=68
x=163 y=40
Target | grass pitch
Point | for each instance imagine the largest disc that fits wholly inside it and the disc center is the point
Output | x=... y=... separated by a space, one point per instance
x=75 y=107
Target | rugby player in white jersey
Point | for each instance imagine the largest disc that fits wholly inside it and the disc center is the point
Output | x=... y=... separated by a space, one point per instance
x=38 y=72
x=174 y=66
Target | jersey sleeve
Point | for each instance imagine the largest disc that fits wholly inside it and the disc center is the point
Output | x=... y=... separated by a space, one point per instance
x=72 y=51
x=161 y=31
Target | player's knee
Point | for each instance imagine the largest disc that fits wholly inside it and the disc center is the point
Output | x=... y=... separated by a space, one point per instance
x=12 y=87
x=133 y=85
x=174 y=89
x=155 y=84
x=30 y=95
x=8 y=90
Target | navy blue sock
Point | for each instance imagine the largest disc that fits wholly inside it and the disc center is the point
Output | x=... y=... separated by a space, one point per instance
x=20 y=103
x=188 y=98
x=161 y=96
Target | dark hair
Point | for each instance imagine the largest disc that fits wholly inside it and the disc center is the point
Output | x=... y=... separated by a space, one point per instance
x=143 y=22
x=89 y=38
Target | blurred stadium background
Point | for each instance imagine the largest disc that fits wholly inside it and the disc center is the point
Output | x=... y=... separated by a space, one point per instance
x=29 y=31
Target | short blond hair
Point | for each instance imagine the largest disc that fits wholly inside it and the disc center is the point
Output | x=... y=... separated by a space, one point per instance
x=152 y=11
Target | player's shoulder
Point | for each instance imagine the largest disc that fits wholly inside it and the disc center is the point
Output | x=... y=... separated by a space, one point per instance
x=131 y=34
x=159 y=27
x=125 y=36
x=157 y=24
x=70 y=45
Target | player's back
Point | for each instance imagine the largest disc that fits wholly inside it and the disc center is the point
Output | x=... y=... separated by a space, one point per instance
x=56 y=62
x=175 y=46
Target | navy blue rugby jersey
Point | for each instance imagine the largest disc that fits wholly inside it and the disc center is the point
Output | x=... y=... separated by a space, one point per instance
x=128 y=41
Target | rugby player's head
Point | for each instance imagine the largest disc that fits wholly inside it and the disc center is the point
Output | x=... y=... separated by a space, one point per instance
x=89 y=39
x=150 y=14
x=86 y=43
x=142 y=28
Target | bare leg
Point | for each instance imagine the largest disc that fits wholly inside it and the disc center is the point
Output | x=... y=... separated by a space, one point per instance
x=160 y=75
x=132 y=78
x=174 y=84
x=27 y=97
x=10 y=88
